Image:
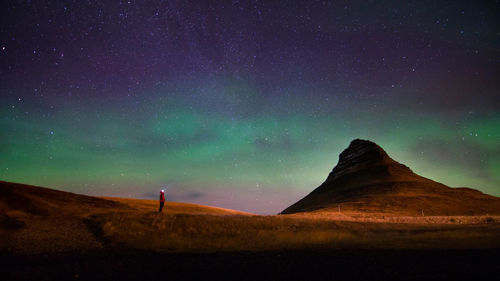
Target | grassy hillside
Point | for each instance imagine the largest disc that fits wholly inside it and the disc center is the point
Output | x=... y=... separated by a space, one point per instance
x=39 y=220
x=186 y=232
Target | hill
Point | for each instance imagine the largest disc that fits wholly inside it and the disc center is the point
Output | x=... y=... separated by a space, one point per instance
x=35 y=200
x=36 y=219
x=367 y=180
x=41 y=201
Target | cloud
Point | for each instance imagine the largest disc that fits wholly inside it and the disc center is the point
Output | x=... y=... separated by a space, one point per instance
x=173 y=195
x=185 y=196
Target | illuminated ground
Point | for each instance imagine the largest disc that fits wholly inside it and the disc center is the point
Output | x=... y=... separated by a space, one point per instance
x=44 y=234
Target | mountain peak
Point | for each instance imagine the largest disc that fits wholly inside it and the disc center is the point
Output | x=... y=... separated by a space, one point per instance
x=366 y=179
x=364 y=150
x=359 y=155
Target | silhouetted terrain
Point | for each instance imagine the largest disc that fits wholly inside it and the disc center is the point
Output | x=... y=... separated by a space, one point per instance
x=367 y=180
x=42 y=235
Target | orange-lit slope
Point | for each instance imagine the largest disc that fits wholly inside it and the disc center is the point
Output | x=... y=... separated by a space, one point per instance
x=366 y=179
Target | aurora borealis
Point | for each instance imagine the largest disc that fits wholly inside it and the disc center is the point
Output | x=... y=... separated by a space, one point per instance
x=244 y=104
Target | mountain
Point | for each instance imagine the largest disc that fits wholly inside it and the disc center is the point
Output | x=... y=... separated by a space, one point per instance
x=366 y=179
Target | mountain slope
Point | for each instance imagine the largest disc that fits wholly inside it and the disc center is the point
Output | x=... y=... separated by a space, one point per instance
x=366 y=179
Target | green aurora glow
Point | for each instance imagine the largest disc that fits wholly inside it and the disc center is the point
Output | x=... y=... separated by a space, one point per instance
x=114 y=152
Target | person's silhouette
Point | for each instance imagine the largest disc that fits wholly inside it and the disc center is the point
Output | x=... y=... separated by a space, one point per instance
x=162 y=199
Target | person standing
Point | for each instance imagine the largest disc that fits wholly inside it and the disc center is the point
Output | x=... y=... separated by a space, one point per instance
x=162 y=199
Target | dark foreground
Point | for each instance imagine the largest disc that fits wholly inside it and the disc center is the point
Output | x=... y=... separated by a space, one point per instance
x=276 y=265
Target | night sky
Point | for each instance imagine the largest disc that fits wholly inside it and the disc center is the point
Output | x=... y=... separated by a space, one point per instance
x=244 y=104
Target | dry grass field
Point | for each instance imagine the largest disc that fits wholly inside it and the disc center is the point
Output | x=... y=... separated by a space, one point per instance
x=37 y=220
x=49 y=233
x=175 y=231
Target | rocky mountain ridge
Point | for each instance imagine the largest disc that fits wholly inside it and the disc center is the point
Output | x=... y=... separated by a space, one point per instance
x=367 y=179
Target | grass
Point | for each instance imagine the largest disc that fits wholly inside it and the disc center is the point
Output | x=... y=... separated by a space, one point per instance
x=181 y=232
x=38 y=220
